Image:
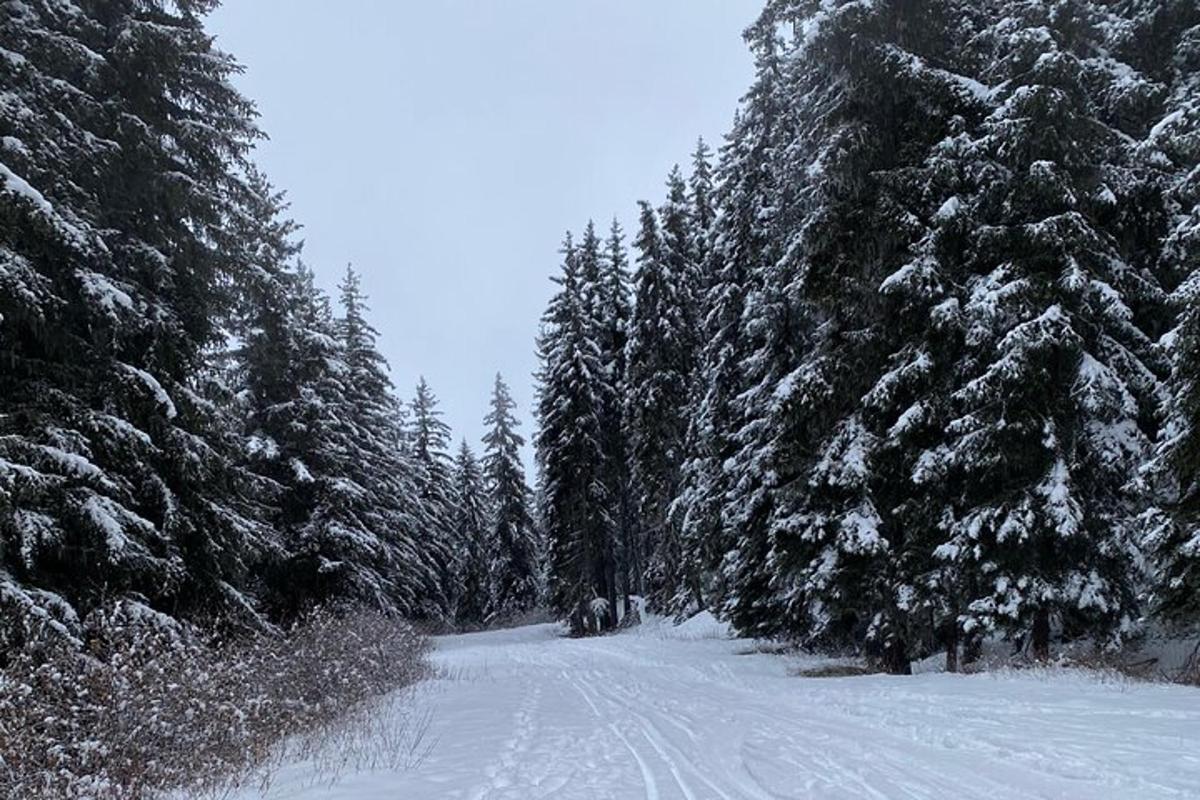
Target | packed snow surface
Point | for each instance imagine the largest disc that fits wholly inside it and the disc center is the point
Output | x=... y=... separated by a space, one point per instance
x=662 y=713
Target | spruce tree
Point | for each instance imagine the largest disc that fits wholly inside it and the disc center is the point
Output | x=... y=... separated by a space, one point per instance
x=1055 y=410
x=690 y=593
x=348 y=511
x=513 y=548
x=429 y=439
x=728 y=499
x=257 y=375
x=1164 y=42
x=659 y=354
x=702 y=215
x=472 y=540
x=861 y=352
x=576 y=506
x=615 y=316
x=298 y=436
x=124 y=155
x=852 y=545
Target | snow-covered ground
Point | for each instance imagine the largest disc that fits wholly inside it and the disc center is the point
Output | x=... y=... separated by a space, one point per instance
x=664 y=713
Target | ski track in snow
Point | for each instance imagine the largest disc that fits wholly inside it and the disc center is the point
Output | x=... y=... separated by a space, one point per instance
x=650 y=714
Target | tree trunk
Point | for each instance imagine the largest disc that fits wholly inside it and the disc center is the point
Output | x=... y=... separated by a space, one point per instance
x=576 y=620
x=895 y=658
x=1041 y=635
x=972 y=649
x=611 y=581
x=952 y=649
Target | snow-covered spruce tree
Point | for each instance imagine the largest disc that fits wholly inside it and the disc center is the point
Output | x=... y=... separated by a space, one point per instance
x=1059 y=306
x=1163 y=41
x=254 y=376
x=513 y=549
x=730 y=501
x=472 y=536
x=679 y=236
x=857 y=338
x=615 y=311
x=604 y=283
x=291 y=376
x=429 y=440
x=702 y=212
x=327 y=438
x=688 y=594
x=123 y=143
x=659 y=361
x=576 y=506
x=862 y=234
x=712 y=424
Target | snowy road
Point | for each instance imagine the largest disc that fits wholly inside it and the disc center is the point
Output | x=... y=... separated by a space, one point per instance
x=653 y=714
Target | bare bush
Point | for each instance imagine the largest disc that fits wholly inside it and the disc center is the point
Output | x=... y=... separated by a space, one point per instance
x=148 y=707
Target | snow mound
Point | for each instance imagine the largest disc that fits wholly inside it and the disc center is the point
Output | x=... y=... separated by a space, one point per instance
x=701 y=626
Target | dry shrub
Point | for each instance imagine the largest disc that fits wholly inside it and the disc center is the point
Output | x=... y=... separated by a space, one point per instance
x=836 y=671
x=148 y=706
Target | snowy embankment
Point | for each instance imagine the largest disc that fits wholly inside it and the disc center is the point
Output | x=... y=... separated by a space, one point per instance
x=662 y=712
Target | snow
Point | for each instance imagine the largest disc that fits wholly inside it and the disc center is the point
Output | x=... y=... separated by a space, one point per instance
x=112 y=520
x=160 y=394
x=1060 y=504
x=104 y=291
x=949 y=209
x=1165 y=123
x=659 y=712
x=13 y=183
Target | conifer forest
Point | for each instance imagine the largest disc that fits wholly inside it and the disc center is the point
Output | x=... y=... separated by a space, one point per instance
x=900 y=377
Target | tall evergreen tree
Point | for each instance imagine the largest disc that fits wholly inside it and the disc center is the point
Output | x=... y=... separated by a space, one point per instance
x=576 y=506
x=615 y=317
x=1055 y=412
x=260 y=375
x=124 y=147
x=850 y=562
x=604 y=285
x=512 y=538
x=659 y=363
x=702 y=210
x=472 y=524
x=299 y=436
x=349 y=512
x=857 y=371
x=429 y=438
x=742 y=200
x=1163 y=41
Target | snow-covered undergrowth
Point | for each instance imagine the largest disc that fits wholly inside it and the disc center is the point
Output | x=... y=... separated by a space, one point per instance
x=149 y=706
x=667 y=712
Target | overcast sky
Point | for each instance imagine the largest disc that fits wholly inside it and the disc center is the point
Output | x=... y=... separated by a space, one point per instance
x=444 y=146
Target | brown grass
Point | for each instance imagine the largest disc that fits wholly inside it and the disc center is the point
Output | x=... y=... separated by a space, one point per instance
x=836 y=671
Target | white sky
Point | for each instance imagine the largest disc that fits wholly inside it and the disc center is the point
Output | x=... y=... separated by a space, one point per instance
x=443 y=147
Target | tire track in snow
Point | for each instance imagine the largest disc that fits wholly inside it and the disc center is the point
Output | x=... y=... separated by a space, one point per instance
x=662 y=744
x=747 y=779
x=655 y=739
x=647 y=775
x=648 y=781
